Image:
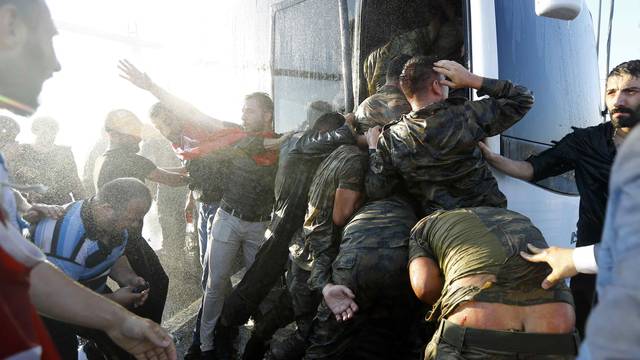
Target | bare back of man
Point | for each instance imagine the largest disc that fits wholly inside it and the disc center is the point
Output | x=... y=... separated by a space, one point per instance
x=550 y=318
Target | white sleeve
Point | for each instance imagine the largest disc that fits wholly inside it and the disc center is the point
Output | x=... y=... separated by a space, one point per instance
x=21 y=249
x=584 y=259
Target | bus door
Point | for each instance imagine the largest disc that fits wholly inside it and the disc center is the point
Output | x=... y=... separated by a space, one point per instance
x=557 y=60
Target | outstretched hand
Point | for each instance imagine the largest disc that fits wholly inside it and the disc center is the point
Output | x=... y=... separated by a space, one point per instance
x=143 y=339
x=339 y=299
x=131 y=73
x=559 y=259
x=458 y=77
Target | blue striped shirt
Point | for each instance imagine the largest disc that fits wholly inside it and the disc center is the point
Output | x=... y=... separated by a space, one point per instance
x=66 y=244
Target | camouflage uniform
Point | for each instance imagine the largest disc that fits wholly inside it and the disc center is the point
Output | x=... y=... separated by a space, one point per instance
x=317 y=247
x=444 y=41
x=387 y=105
x=372 y=262
x=484 y=240
x=434 y=150
x=343 y=169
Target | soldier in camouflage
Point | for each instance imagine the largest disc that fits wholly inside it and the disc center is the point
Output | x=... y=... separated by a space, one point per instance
x=466 y=263
x=336 y=192
x=368 y=308
x=388 y=103
x=432 y=151
x=442 y=37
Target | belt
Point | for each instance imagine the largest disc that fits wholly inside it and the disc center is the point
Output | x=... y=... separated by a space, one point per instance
x=515 y=342
x=233 y=212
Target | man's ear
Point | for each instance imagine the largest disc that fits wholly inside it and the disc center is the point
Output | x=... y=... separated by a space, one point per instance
x=12 y=29
x=436 y=87
x=103 y=210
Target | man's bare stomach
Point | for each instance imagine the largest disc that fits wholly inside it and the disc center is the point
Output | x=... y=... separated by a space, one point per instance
x=553 y=318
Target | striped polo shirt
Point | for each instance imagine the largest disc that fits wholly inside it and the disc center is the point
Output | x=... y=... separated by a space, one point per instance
x=74 y=249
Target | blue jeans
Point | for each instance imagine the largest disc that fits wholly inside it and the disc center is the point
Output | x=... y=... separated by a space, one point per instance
x=206 y=213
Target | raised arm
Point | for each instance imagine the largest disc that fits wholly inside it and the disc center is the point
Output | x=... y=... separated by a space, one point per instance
x=506 y=105
x=180 y=108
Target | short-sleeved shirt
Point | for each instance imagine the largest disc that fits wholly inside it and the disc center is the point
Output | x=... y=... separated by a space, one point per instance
x=590 y=152
x=121 y=163
x=484 y=240
x=343 y=169
x=75 y=245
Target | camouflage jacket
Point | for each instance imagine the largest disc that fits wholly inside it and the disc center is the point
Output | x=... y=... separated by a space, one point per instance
x=433 y=151
x=379 y=109
x=343 y=169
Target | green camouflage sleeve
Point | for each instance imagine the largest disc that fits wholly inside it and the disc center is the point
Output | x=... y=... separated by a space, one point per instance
x=352 y=175
x=506 y=105
x=325 y=249
x=382 y=176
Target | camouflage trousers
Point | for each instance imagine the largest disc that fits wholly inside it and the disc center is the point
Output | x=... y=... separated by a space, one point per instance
x=453 y=342
x=382 y=327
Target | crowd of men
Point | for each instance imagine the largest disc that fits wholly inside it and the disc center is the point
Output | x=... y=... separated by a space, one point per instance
x=386 y=226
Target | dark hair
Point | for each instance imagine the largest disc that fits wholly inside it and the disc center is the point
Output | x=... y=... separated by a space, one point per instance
x=417 y=69
x=159 y=112
x=9 y=128
x=119 y=192
x=631 y=67
x=329 y=121
x=263 y=99
x=394 y=69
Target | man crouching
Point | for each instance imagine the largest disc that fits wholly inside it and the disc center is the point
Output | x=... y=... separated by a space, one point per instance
x=466 y=264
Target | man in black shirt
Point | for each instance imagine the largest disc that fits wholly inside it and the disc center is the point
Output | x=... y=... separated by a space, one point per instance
x=590 y=153
x=299 y=159
x=124 y=131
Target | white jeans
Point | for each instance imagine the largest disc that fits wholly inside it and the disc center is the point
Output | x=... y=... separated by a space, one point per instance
x=228 y=233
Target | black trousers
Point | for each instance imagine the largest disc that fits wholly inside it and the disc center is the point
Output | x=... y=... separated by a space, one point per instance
x=146 y=264
x=267 y=268
x=583 y=288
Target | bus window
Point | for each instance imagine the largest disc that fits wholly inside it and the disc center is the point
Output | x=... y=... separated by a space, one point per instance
x=307 y=59
x=388 y=28
x=557 y=60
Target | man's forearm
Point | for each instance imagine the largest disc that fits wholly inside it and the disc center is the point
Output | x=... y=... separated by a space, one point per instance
x=57 y=296
x=516 y=168
x=122 y=272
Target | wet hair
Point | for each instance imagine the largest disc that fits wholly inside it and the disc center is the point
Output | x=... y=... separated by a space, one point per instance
x=9 y=128
x=631 y=67
x=159 y=113
x=329 y=121
x=417 y=69
x=394 y=69
x=44 y=124
x=317 y=109
x=119 y=193
x=263 y=99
